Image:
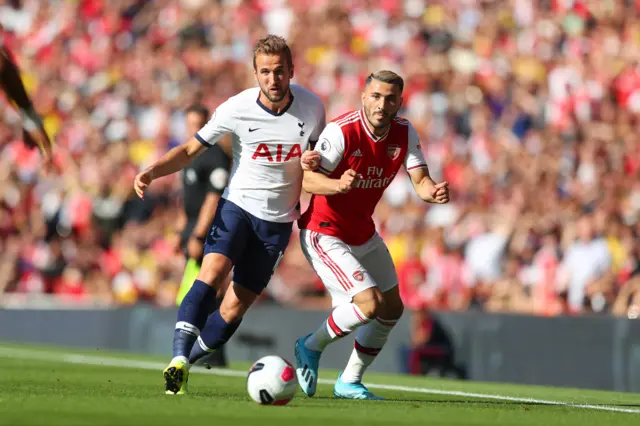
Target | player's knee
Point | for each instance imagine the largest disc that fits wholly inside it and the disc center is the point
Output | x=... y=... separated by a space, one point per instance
x=392 y=308
x=369 y=308
x=369 y=302
x=211 y=277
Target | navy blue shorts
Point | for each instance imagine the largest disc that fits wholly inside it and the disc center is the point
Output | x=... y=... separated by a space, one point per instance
x=255 y=246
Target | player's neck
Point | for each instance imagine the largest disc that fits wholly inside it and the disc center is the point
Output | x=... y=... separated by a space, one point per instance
x=276 y=107
x=378 y=132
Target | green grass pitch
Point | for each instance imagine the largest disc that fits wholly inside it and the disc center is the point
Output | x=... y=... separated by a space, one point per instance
x=45 y=386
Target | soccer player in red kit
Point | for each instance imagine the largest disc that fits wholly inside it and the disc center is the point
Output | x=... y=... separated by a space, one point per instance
x=361 y=152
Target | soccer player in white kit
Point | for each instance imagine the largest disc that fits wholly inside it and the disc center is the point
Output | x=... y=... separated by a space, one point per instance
x=361 y=152
x=271 y=128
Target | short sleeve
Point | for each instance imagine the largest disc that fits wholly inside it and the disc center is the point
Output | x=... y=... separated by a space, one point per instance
x=320 y=117
x=414 y=158
x=220 y=124
x=331 y=148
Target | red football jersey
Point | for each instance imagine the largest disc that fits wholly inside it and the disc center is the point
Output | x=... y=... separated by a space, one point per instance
x=347 y=143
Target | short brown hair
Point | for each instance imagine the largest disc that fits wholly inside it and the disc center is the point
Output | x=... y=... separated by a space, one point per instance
x=386 y=76
x=199 y=109
x=272 y=45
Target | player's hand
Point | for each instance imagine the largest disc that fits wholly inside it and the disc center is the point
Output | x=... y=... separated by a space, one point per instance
x=195 y=248
x=37 y=138
x=142 y=182
x=348 y=180
x=48 y=165
x=439 y=193
x=310 y=160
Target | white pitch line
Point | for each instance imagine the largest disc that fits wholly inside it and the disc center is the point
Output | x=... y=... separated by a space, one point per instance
x=148 y=365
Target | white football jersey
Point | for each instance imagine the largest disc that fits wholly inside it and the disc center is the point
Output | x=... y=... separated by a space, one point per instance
x=266 y=178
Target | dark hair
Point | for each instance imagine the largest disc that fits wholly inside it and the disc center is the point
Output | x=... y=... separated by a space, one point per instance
x=386 y=76
x=199 y=109
x=272 y=45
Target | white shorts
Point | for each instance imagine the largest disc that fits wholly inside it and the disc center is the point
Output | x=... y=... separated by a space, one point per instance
x=347 y=270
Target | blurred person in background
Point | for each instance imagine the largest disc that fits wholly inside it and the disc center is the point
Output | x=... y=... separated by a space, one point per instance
x=204 y=181
x=484 y=252
x=627 y=283
x=627 y=304
x=508 y=293
x=586 y=260
x=432 y=347
x=412 y=275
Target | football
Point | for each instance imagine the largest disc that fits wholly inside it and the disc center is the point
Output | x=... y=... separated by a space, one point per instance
x=272 y=381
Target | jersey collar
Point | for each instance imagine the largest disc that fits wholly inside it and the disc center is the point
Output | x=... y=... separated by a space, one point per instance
x=368 y=131
x=276 y=114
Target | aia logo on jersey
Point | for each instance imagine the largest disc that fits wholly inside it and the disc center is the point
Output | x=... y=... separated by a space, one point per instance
x=393 y=151
x=358 y=276
x=276 y=154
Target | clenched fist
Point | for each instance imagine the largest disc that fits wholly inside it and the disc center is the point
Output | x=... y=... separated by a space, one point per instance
x=348 y=180
x=310 y=160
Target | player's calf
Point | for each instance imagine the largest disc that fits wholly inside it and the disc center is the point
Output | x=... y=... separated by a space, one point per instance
x=192 y=316
x=195 y=308
x=346 y=318
x=342 y=321
x=224 y=322
x=371 y=338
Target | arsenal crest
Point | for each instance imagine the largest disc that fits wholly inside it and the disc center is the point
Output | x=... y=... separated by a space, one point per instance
x=393 y=151
x=358 y=276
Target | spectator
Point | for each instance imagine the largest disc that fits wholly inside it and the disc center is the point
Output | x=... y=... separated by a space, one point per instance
x=529 y=109
x=432 y=348
x=586 y=260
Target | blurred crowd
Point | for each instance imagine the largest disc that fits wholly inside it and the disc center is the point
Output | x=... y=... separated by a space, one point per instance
x=528 y=108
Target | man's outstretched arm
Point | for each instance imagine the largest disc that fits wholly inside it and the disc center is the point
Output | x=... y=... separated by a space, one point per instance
x=11 y=83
